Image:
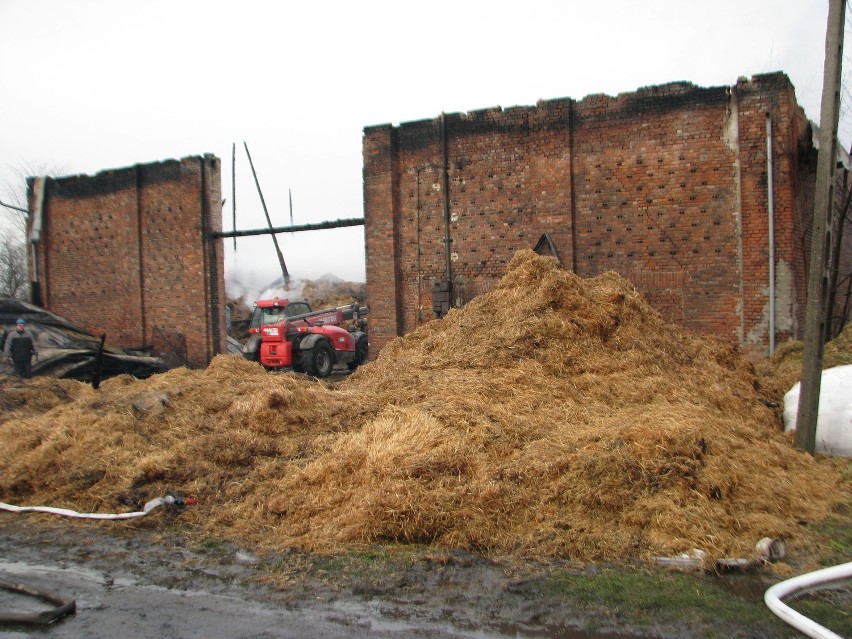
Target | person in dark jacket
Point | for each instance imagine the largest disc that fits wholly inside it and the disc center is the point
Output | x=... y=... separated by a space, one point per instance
x=21 y=347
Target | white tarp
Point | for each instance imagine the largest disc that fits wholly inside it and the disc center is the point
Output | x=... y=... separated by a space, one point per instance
x=834 y=419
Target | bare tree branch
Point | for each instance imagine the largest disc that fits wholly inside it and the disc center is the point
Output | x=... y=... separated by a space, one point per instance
x=13 y=230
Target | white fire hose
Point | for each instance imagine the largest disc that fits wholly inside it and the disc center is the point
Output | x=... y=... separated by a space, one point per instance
x=773 y=597
x=148 y=507
x=68 y=607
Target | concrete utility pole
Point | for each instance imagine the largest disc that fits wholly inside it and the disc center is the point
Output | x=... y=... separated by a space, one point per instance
x=821 y=231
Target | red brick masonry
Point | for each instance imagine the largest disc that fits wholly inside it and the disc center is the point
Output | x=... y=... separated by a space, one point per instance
x=127 y=253
x=667 y=186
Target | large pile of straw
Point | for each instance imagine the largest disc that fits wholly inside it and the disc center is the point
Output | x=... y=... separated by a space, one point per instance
x=552 y=416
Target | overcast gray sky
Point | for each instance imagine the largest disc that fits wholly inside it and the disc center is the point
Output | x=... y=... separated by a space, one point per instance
x=89 y=85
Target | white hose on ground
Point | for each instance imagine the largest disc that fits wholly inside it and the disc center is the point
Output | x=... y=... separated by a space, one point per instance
x=773 y=597
x=148 y=507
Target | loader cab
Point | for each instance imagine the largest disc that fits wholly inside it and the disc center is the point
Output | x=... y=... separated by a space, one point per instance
x=274 y=311
x=297 y=308
x=271 y=315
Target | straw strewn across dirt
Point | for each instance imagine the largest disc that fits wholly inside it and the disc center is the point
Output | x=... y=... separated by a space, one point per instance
x=552 y=416
x=780 y=372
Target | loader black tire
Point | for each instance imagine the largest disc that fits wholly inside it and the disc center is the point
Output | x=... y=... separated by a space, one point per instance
x=362 y=352
x=319 y=359
x=251 y=349
x=297 y=364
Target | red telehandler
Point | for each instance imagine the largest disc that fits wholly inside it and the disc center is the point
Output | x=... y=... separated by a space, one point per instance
x=288 y=334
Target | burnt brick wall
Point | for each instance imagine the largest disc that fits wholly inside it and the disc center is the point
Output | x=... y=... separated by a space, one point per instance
x=766 y=108
x=381 y=237
x=666 y=185
x=657 y=199
x=127 y=253
x=841 y=311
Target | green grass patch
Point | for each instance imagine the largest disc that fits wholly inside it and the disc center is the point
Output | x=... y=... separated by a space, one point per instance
x=654 y=599
x=836 y=547
x=825 y=610
x=211 y=546
x=361 y=564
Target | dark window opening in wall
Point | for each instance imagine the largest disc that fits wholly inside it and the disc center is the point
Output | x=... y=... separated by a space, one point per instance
x=545 y=246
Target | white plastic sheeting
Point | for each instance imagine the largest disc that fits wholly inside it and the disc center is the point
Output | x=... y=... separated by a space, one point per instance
x=834 y=419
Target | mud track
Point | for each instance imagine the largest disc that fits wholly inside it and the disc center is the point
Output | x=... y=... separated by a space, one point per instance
x=127 y=585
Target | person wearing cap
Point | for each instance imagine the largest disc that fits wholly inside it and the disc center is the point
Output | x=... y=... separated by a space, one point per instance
x=21 y=347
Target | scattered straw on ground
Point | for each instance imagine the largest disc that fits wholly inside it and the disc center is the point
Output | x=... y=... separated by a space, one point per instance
x=552 y=416
x=779 y=373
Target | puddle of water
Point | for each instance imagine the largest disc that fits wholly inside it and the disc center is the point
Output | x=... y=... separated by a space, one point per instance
x=548 y=632
x=22 y=568
x=749 y=588
x=368 y=615
x=20 y=603
x=110 y=605
x=562 y=633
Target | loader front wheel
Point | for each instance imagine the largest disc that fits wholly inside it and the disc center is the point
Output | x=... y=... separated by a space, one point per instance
x=318 y=360
x=297 y=362
x=362 y=352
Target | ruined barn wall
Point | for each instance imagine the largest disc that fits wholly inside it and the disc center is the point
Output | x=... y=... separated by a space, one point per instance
x=127 y=253
x=841 y=312
x=88 y=262
x=509 y=174
x=497 y=158
x=666 y=185
x=381 y=233
x=794 y=178
x=769 y=100
x=794 y=165
x=657 y=200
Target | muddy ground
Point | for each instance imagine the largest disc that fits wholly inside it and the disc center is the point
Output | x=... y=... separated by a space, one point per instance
x=140 y=583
